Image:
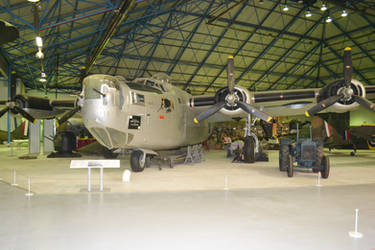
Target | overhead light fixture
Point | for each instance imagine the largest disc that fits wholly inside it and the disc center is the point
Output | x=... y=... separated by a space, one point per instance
x=39 y=41
x=324 y=7
x=285 y=8
x=42 y=79
x=261 y=2
x=39 y=54
x=43 y=75
x=329 y=19
x=308 y=13
x=33 y=1
x=344 y=13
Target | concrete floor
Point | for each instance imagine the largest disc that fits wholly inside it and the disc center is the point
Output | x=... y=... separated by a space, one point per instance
x=187 y=207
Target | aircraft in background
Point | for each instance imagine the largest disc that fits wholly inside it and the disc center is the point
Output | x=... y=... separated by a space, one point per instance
x=335 y=130
x=149 y=115
x=18 y=133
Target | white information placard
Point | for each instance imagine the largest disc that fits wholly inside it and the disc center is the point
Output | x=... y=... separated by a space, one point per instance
x=95 y=164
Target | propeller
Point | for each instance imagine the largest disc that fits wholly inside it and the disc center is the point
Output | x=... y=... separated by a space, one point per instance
x=232 y=100
x=67 y=116
x=344 y=93
x=13 y=107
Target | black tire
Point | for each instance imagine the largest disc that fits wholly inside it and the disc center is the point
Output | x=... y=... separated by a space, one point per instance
x=283 y=157
x=249 y=150
x=290 y=171
x=325 y=167
x=319 y=155
x=135 y=161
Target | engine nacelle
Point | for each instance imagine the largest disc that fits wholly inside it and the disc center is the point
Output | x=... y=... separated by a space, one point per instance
x=335 y=88
x=241 y=93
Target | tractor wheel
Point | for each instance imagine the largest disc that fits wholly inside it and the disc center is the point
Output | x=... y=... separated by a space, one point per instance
x=249 y=149
x=325 y=167
x=283 y=157
x=290 y=166
x=319 y=155
x=136 y=161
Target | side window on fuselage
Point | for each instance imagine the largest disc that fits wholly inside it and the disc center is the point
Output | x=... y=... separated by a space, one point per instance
x=167 y=104
x=137 y=98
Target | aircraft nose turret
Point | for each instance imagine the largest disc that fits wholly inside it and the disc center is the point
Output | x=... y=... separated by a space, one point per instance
x=101 y=109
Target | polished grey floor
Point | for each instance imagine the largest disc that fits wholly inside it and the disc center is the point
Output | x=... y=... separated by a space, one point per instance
x=269 y=218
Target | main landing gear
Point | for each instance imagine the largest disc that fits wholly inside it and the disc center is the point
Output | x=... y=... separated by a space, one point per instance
x=251 y=150
x=139 y=161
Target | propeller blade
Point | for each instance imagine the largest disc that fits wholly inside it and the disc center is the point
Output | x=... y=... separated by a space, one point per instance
x=3 y=111
x=230 y=72
x=348 y=66
x=208 y=112
x=323 y=105
x=364 y=102
x=25 y=114
x=67 y=116
x=254 y=112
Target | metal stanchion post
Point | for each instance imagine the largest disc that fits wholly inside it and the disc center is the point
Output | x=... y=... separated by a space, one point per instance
x=318 y=181
x=89 y=179
x=356 y=234
x=29 y=188
x=101 y=179
x=226 y=183
x=14 y=184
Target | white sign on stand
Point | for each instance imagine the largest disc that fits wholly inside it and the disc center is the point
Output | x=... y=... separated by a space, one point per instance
x=89 y=164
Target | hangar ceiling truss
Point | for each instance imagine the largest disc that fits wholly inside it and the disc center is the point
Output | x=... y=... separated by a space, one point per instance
x=190 y=40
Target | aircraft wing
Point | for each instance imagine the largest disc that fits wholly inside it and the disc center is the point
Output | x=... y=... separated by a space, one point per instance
x=236 y=101
x=280 y=103
x=32 y=108
x=285 y=103
x=63 y=104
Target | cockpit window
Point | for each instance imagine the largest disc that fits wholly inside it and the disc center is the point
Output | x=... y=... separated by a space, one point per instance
x=142 y=87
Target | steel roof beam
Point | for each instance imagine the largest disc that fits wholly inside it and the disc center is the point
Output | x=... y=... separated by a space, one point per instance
x=255 y=26
x=307 y=56
x=151 y=52
x=269 y=46
x=187 y=41
x=290 y=49
x=353 y=41
x=242 y=46
x=213 y=47
x=341 y=58
x=117 y=18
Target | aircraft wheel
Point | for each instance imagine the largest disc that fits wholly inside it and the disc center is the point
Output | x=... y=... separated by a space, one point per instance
x=136 y=161
x=290 y=166
x=325 y=167
x=283 y=157
x=249 y=149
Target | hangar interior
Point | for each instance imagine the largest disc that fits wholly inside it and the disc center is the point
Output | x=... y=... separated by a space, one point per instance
x=49 y=47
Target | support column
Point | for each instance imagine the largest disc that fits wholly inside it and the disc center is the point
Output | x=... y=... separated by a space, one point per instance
x=9 y=95
x=34 y=138
x=48 y=135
